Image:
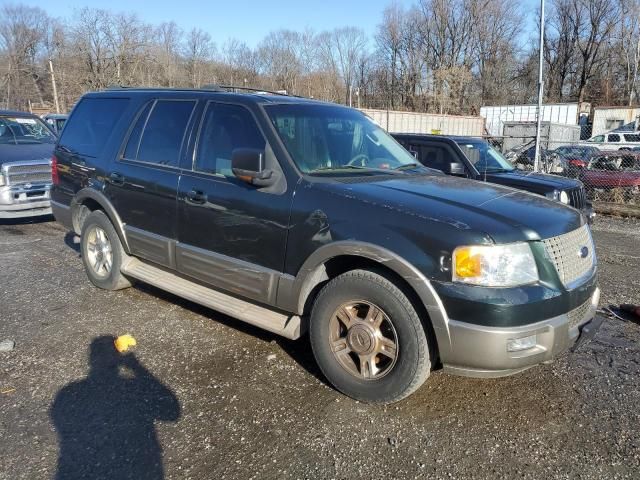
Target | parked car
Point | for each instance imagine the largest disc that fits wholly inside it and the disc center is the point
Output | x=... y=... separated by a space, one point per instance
x=619 y=171
x=293 y=214
x=475 y=158
x=523 y=158
x=26 y=145
x=55 y=121
x=574 y=158
x=614 y=141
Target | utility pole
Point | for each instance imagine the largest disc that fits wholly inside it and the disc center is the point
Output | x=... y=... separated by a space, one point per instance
x=536 y=161
x=53 y=85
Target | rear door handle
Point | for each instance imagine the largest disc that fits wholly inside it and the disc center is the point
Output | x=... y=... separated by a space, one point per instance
x=197 y=197
x=116 y=178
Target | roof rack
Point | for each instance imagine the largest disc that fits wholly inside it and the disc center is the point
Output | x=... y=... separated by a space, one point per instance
x=234 y=89
x=208 y=87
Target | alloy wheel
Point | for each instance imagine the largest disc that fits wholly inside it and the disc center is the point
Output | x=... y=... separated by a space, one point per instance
x=99 y=252
x=363 y=340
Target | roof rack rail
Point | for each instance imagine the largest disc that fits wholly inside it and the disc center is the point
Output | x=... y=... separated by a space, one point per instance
x=210 y=87
x=233 y=88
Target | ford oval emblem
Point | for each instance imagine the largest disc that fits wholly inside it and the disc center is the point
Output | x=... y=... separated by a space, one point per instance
x=584 y=252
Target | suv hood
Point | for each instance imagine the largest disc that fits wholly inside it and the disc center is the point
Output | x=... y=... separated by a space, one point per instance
x=19 y=153
x=504 y=214
x=531 y=181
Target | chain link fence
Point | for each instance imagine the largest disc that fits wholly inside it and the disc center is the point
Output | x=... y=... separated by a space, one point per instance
x=608 y=164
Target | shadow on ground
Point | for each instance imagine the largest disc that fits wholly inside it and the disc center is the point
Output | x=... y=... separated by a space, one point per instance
x=299 y=350
x=26 y=221
x=105 y=422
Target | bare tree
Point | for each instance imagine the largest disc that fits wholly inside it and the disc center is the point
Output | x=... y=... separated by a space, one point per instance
x=199 y=50
x=342 y=49
x=21 y=33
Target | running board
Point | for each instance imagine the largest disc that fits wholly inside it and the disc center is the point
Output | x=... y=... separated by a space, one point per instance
x=289 y=326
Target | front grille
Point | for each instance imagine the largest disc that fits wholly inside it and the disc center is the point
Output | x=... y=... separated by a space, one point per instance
x=577 y=198
x=28 y=173
x=576 y=316
x=566 y=253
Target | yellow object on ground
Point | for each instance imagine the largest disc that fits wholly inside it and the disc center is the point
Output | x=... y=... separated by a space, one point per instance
x=123 y=342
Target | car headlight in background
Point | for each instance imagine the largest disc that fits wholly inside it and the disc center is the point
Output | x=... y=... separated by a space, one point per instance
x=508 y=265
x=558 y=196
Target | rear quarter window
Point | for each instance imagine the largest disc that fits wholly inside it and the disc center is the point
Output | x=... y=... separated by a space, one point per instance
x=158 y=134
x=89 y=127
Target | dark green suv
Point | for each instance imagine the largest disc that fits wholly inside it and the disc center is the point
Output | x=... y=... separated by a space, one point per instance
x=297 y=215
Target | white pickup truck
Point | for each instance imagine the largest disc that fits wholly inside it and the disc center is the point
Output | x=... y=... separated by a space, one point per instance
x=614 y=141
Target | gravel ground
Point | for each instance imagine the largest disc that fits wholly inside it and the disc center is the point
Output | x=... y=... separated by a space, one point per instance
x=204 y=396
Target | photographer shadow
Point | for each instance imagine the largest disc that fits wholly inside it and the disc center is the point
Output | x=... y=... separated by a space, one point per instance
x=106 y=422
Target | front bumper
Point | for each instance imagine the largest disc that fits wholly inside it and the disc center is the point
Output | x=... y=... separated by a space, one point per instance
x=481 y=351
x=589 y=212
x=22 y=202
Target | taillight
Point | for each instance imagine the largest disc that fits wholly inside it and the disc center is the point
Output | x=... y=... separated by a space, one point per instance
x=577 y=163
x=54 y=170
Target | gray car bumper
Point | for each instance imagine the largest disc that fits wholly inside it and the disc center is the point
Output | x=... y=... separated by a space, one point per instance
x=480 y=351
x=22 y=202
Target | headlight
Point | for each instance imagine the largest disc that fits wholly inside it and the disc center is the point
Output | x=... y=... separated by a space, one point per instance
x=564 y=198
x=495 y=265
x=554 y=195
x=558 y=196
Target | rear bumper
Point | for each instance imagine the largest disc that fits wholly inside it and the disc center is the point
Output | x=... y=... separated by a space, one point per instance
x=21 y=202
x=481 y=351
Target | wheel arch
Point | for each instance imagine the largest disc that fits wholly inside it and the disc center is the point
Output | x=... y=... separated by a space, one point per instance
x=338 y=257
x=92 y=200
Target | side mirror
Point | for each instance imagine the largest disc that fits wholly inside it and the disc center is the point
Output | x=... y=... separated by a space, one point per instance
x=248 y=165
x=456 y=168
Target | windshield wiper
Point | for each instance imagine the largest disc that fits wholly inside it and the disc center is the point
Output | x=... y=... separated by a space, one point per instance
x=349 y=167
x=407 y=166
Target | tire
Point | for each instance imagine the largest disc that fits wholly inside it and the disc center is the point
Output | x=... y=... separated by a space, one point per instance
x=380 y=379
x=100 y=245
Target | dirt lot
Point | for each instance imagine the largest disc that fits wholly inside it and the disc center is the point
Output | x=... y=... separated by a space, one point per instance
x=204 y=396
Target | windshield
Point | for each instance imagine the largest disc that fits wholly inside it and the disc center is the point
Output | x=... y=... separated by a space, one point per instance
x=328 y=139
x=483 y=156
x=24 y=130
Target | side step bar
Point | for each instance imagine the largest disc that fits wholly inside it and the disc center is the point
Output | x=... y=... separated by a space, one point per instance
x=289 y=326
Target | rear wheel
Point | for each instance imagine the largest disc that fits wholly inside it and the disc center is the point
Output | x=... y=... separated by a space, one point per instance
x=368 y=338
x=102 y=252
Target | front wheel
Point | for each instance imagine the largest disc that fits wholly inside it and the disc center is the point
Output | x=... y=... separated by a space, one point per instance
x=368 y=338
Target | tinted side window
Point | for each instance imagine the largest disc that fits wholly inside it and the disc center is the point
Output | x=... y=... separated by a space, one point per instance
x=434 y=156
x=614 y=138
x=225 y=128
x=163 y=134
x=631 y=137
x=131 y=151
x=92 y=122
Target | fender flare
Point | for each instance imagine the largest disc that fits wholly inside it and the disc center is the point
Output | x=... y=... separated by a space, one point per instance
x=294 y=294
x=107 y=207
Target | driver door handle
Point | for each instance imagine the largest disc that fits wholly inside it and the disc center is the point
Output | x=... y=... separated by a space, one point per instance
x=196 y=197
x=116 y=178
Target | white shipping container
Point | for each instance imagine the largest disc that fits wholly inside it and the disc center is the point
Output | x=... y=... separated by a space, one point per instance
x=561 y=113
x=430 y=123
x=606 y=119
x=552 y=135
